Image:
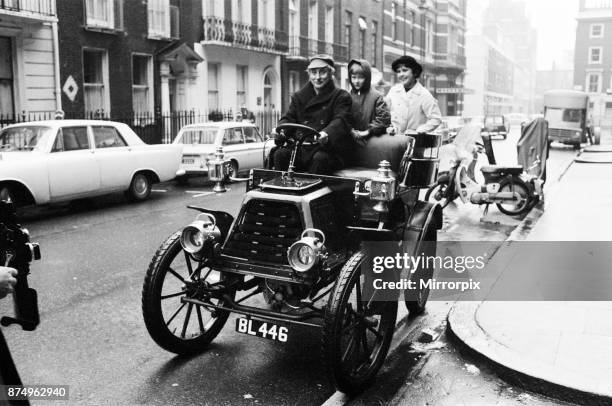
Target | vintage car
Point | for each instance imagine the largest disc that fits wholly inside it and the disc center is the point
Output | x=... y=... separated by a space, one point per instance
x=242 y=143
x=495 y=126
x=61 y=160
x=299 y=253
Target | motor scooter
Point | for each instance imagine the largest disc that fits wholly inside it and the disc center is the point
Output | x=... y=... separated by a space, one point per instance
x=514 y=189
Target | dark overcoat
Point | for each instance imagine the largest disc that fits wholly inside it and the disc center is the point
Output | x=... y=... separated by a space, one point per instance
x=329 y=111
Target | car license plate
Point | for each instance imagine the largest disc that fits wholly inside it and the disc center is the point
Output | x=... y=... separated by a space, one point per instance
x=263 y=329
x=188 y=161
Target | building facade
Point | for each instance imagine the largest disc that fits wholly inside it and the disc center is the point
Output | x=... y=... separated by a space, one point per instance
x=128 y=58
x=593 y=58
x=29 y=60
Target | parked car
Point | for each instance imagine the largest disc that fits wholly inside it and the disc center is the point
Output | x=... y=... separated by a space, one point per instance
x=242 y=144
x=449 y=127
x=61 y=160
x=495 y=125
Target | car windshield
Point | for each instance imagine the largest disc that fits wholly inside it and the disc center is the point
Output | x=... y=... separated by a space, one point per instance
x=25 y=138
x=205 y=135
x=564 y=115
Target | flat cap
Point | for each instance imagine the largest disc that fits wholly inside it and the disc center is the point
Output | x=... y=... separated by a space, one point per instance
x=321 y=61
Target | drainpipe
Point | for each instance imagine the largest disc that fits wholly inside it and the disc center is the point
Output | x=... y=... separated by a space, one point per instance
x=56 y=63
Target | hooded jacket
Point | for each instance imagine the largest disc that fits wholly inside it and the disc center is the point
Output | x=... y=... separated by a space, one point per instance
x=329 y=111
x=370 y=112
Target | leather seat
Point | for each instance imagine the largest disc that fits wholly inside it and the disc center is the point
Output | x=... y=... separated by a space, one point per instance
x=512 y=170
x=365 y=159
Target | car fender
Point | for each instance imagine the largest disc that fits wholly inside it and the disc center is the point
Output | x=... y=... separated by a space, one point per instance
x=31 y=174
x=422 y=216
x=162 y=160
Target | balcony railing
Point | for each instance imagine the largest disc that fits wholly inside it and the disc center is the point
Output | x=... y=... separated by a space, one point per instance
x=305 y=47
x=243 y=34
x=33 y=8
x=454 y=60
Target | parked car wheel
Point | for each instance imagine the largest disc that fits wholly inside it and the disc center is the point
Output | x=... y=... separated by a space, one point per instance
x=140 y=188
x=520 y=206
x=356 y=332
x=178 y=327
x=417 y=301
x=232 y=167
x=7 y=194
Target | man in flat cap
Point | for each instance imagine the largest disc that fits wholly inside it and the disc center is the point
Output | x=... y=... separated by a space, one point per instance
x=326 y=108
x=412 y=107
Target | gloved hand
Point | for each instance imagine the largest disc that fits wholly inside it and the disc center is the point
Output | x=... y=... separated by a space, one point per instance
x=279 y=138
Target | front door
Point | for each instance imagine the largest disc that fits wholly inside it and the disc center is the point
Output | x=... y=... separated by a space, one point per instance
x=7 y=104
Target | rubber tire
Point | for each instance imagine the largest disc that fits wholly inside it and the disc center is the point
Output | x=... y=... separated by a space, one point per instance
x=442 y=202
x=417 y=307
x=526 y=206
x=151 y=304
x=333 y=323
x=136 y=195
x=7 y=193
x=234 y=168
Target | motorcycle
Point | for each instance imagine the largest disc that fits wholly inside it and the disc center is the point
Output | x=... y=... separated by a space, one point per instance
x=296 y=254
x=514 y=189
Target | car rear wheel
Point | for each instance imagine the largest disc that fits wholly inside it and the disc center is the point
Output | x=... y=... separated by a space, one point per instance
x=6 y=194
x=140 y=188
x=357 y=330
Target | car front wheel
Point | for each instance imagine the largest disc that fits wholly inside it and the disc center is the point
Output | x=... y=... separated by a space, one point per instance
x=140 y=188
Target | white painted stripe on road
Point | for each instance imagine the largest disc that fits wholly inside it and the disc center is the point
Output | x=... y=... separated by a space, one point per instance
x=203 y=194
x=337 y=399
x=194 y=191
x=159 y=190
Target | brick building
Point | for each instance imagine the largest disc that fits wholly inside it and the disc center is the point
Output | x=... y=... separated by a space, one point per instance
x=121 y=57
x=29 y=77
x=593 y=58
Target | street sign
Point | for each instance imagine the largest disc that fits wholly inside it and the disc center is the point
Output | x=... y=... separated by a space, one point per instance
x=454 y=90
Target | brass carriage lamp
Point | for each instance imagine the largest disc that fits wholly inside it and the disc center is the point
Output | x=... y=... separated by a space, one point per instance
x=308 y=251
x=382 y=187
x=217 y=170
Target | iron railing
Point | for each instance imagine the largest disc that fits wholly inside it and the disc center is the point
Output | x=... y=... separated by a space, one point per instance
x=44 y=8
x=158 y=128
x=243 y=34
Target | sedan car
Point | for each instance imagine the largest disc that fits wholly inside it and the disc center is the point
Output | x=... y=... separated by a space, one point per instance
x=495 y=125
x=61 y=160
x=242 y=145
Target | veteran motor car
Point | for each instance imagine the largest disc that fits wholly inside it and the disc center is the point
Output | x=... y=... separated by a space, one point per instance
x=61 y=160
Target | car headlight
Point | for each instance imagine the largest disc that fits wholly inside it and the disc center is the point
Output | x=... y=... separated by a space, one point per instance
x=199 y=237
x=308 y=251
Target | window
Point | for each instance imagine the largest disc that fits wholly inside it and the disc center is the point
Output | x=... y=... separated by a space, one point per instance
x=95 y=79
x=313 y=26
x=411 y=30
x=362 y=37
x=214 y=8
x=393 y=21
x=251 y=135
x=233 y=136
x=597 y=30
x=104 y=13
x=213 y=86
x=348 y=27
x=241 y=85
x=428 y=36
x=107 y=137
x=175 y=23
x=374 y=43
x=294 y=18
x=71 y=139
x=142 y=84
x=266 y=14
x=159 y=18
x=593 y=82
x=329 y=25
x=595 y=54
x=6 y=77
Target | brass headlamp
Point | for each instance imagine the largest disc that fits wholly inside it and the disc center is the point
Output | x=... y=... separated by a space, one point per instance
x=308 y=251
x=199 y=237
x=382 y=187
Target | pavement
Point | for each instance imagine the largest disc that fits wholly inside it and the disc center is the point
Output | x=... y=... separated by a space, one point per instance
x=561 y=348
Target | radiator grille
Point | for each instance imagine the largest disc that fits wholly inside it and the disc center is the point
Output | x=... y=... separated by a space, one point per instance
x=265 y=232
